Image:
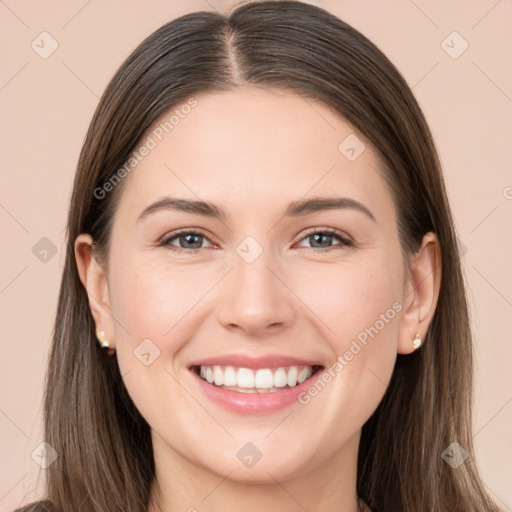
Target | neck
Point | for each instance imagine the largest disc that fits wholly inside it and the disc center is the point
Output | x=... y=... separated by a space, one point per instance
x=181 y=485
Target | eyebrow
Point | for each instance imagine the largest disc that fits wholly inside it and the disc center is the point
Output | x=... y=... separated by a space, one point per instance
x=294 y=209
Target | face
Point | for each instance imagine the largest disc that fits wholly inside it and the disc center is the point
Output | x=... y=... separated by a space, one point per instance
x=258 y=290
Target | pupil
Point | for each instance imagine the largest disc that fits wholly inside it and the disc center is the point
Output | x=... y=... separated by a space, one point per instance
x=318 y=236
x=190 y=239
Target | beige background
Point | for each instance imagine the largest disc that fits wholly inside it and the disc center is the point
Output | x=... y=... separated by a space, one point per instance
x=47 y=105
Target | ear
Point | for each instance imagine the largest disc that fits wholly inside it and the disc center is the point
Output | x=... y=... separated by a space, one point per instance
x=421 y=291
x=94 y=278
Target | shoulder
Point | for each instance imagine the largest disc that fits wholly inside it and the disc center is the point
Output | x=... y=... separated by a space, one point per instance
x=37 y=506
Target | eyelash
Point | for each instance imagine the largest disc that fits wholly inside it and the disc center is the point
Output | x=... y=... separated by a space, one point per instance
x=345 y=242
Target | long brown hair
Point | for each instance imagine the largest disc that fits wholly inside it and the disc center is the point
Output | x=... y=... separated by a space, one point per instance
x=105 y=461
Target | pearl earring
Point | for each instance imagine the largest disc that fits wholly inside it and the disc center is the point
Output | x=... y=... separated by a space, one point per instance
x=416 y=342
x=104 y=343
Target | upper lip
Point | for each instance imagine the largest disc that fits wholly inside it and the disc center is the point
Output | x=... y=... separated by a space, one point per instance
x=245 y=361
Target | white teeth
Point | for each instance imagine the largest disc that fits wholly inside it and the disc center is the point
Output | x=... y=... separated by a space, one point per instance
x=304 y=374
x=229 y=376
x=291 y=379
x=280 y=378
x=218 y=375
x=263 y=380
x=242 y=390
x=245 y=378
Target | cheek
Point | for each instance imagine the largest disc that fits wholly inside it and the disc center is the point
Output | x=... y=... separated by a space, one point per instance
x=361 y=305
x=355 y=301
x=155 y=301
x=154 y=309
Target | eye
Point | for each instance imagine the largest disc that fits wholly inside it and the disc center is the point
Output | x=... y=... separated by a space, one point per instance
x=188 y=240
x=320 y=237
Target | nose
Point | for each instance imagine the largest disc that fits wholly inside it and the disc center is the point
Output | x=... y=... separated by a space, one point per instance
x=256 y=299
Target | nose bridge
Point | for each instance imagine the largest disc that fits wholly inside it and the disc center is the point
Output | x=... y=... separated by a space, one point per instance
x=257 y=299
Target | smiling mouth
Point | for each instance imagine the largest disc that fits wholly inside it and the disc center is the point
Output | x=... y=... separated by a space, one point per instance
x=263 y=380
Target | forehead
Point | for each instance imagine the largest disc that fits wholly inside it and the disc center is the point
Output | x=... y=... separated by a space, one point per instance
x=252 y=147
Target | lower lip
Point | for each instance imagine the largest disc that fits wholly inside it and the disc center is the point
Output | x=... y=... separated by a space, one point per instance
x=253 y=402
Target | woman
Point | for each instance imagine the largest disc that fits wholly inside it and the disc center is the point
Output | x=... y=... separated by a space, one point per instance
x=260 y=240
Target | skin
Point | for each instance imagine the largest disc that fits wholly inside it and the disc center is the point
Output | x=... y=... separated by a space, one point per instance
x=252 y=152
